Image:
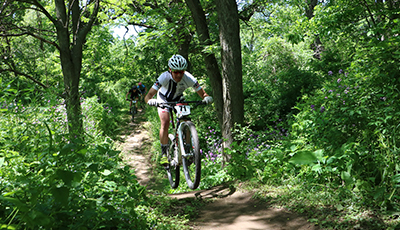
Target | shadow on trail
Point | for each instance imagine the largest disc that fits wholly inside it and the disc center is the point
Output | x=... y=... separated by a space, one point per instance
x=228 y=208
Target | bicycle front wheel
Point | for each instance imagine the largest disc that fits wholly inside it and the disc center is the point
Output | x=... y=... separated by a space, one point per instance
x=173 y=167
x=132 y=114
x=191 y=159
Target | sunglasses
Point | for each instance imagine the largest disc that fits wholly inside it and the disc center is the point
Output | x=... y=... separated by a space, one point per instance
x=178 y=71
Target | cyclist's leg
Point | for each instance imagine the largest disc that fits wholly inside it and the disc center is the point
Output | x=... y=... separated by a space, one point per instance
x=164 y=118
x=141 y=99
x=135 y=104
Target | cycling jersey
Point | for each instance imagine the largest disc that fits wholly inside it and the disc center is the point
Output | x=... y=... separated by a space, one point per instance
x=134 y=94
x=142 y=88
x=169 y=90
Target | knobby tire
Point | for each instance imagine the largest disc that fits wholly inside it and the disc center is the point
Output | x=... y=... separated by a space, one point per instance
x=191 y=164
x=133 y=111
x=172 y=170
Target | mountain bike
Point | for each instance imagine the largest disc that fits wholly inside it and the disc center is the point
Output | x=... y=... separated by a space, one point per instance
x=133 y=108
x=184 y=149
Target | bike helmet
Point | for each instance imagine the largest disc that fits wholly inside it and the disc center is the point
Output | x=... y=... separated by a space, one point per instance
x=134 y=87
x=177 y=62
x=139 y=83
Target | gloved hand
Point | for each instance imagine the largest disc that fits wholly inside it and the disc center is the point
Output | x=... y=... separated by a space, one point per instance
x=208 y=100
x=152 y=102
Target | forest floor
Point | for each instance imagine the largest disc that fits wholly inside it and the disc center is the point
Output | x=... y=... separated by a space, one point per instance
x=225 y=207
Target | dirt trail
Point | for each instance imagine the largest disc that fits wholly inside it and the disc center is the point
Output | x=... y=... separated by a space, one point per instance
x=229 y=209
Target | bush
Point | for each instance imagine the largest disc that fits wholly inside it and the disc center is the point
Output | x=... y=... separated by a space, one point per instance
x=354 y=123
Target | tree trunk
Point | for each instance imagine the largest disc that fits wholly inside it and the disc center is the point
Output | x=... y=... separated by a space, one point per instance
x=232 y=85
x=213 y=70
x=317 y=46
x=184 y=45
x=71 y=58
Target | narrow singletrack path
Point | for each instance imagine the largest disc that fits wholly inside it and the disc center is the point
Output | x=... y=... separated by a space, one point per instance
x=230 y=208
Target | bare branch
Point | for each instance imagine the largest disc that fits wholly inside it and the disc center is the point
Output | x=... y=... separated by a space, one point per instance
x=30 y=34
x=141 y=24
x=40 y=9
x=25 y=75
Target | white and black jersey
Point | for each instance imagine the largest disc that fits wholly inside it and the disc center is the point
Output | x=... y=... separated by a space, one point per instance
x=169 y=90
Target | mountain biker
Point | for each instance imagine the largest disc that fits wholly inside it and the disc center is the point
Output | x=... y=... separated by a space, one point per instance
x=134 y=94
x=170 y=86
x=143 y=90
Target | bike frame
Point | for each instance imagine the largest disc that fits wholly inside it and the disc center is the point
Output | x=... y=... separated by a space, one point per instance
x=133 y=107
x=181 y=155
x=178 y=133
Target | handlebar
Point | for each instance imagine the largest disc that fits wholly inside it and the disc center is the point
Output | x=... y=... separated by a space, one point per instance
x=172 y=104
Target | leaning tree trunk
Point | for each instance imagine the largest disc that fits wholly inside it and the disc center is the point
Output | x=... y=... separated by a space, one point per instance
x=213 y=70
x=232 y=85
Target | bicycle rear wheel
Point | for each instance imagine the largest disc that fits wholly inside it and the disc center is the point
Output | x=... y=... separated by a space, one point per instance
x=191 y=159
x=173 y=168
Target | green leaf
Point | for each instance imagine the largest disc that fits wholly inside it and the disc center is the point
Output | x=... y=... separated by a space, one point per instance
x=347 y=178
x=319 y=154
x=66 y=176
x=106 y=172
x=16 y=202
x=61 y=195
x=396 y=179
x=316 y=168
x=4 y=226
x=303 y=158
x=379 y=192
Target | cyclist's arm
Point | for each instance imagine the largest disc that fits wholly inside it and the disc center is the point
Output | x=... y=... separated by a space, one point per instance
x=126 y=97
x=202 y=93
x=150 y=94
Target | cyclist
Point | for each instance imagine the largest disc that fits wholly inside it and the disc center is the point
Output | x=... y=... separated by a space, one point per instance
x=134 y=94
x=143 y=90
x=170 y=86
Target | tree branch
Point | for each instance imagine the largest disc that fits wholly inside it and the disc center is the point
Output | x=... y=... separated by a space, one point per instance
x=142 y=25
x=25 y=75
x=30 y=34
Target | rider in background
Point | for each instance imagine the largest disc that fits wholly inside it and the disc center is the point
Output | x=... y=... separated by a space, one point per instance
x=169 y=87
x=134 y=94
x=143 y=90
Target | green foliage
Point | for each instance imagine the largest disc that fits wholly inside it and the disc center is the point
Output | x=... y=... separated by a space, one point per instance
x=338 y=153
x=48 y=182
x=239 y=166
x=276 y=75
x=355 y=122
x=80 y=185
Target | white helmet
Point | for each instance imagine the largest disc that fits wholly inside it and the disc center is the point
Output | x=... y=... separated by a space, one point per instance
x=177 y=62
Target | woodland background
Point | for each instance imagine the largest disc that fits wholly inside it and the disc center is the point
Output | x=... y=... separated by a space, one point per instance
x=307 y=90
